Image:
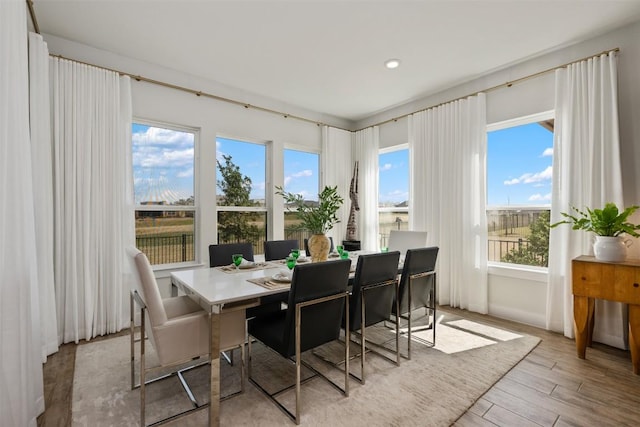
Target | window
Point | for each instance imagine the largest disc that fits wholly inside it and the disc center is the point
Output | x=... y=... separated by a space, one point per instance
x=300 y=177
x=393 y=191
x=519 y=177
x=163 y=168
x=241 y=203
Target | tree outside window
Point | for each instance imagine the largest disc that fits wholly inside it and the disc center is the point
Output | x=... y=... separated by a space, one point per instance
x=240 y=179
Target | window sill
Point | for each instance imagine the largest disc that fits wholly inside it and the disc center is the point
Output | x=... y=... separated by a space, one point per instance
x=164 y=270
x=526 y=272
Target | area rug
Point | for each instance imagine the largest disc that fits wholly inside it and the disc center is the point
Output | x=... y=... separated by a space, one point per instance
x=434 y=388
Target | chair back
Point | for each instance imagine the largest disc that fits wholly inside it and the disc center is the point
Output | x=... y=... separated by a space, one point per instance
x=373 y=269
x=148 y=288
x=418 y=261
x=320 y=323
x=221 y=254
x=306 y=246
x=279 y=249
x=400 y=240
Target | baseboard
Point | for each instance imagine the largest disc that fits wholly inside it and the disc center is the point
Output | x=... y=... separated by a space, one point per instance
x=519 y=316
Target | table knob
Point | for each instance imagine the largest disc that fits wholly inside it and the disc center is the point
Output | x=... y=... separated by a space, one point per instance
x=583 y=278
x=635 y=285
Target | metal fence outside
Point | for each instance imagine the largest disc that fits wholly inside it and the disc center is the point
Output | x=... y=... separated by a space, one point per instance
x=180 y=247
x=167 y=249
x=497 y=249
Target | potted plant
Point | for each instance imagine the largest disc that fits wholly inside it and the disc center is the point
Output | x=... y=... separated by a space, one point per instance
x=608 y=224
x=316 y=218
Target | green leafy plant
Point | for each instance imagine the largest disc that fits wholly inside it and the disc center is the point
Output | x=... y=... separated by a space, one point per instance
x=608 y=221
x=317 y=218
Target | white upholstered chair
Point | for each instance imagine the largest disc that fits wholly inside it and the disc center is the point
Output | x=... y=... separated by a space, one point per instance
x=401 y=240
x=178 y=329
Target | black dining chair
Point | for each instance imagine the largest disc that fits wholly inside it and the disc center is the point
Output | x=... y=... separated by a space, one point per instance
x=418 y=290
x=279 y=249
x=220 y=255
x=317 y=301
x=375 y=289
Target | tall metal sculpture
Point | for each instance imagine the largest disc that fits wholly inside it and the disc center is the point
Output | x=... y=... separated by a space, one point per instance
x=352 y=228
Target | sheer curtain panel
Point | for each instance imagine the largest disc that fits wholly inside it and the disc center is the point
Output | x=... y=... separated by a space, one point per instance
x=365 y=152
x=40 y=125
x=336 y=171
x=21 y=387
x=447 y=152
x=586 y=172
x=92 y=223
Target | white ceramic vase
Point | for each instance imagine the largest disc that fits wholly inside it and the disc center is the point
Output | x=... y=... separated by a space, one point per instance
x=611 y=249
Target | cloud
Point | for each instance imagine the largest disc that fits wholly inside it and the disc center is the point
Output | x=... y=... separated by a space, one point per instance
x=530 y=178
x=386 y=167
x=161 y=137
x=187 y=173
x=303 y=173
x=548 y=152
x=165 y=158
x=540 y=198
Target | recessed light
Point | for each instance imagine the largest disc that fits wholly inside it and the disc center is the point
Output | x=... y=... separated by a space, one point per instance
x=392 y=63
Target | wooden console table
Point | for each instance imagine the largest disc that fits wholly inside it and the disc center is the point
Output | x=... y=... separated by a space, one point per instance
x=619 y=282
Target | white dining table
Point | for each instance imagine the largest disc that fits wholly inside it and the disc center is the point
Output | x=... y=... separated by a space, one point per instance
x=215 y=291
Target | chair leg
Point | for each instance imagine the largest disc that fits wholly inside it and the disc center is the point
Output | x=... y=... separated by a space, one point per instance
x=131 y=332
x=142 y=375
x=363 y=338
x=409 y=322
x=242 y=368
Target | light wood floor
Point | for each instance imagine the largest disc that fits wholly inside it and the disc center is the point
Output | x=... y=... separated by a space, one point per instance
x=549 y=387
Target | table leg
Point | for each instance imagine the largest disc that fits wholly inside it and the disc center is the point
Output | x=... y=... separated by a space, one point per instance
x=214 y=407
x=582 y=316
x=634 y=337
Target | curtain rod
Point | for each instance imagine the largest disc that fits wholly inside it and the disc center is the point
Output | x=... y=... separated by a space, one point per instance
x=201 y=93
x=33 y=16
x=492 y=88
x=304 y=119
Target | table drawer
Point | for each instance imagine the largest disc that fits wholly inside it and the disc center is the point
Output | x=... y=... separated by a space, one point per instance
x=607 y=281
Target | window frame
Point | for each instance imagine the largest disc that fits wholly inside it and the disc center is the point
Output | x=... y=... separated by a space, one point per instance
x=505 y=269
x=388 y=209
x=184 y=208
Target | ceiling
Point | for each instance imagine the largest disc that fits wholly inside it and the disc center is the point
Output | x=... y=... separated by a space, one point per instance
x=328 y=56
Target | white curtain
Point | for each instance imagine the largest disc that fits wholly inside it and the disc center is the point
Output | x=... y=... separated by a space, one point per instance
x=92 y=220
x=586 y=172
x=40 y=125
x=336 y=171
x=447 y=152
x=365 y=152
x=21 y=384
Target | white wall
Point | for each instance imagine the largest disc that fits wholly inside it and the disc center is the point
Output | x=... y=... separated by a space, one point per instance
x=523 y=297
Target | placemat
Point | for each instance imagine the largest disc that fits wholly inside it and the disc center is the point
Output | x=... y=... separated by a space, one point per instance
x=266 y=282
x=231 y=269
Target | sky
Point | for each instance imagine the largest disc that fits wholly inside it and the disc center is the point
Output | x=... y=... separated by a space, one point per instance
x=393 y=182
x=518 y=167
x=162 y=164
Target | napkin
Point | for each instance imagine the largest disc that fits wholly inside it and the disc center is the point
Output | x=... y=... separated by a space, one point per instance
x=246 y=263
x=286 y=273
